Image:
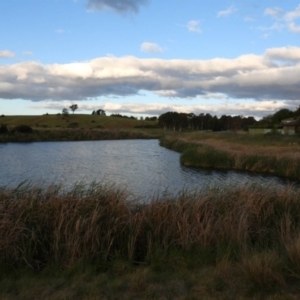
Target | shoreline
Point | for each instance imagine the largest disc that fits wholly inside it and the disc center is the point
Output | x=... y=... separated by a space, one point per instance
x=217 y=154
x=60 y=135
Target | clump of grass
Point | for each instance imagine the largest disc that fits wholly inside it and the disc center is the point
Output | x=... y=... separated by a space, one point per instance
x=207 y=157
x=214 y=153
x=264 y=270
x=249 y=232
x=39 y=226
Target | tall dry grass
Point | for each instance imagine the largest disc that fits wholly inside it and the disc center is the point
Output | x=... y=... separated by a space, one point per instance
x=254 y=227
x=219 y=153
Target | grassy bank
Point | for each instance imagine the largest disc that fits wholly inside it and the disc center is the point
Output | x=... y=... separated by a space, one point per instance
x=276 y=155
x=77 y=120
x=95 y=242
x=75 y=127
x=78 y=135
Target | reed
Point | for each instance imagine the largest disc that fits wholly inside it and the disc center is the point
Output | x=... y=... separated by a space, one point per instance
x=248 y=234
x=221 y=154
x=242 y=239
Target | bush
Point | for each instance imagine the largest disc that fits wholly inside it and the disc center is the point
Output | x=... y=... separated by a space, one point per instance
x=23 y=129
x=3 y=128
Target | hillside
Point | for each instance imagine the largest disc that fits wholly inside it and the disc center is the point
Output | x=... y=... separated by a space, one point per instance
x=75 y=120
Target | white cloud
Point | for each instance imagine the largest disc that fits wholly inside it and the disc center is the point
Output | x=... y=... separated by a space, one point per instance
x=292 y=15
x=193 y=26
x=272 y=75
x=275 y=27
x=120 y=6
x=274 y=12
x=249 y=19
x=151 y=48
x=285 y=19
x=224 y=13
x=291 y=54
x=6 y=54
x=294 y=28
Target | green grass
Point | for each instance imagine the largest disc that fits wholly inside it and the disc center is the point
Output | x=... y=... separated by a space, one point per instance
x=94 y=241
x=79 y=135
x=77 y=127
x=243 y=138
x=83 y=121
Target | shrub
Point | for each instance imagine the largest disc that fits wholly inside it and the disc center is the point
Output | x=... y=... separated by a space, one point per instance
x=3 y=128
x=23 y=129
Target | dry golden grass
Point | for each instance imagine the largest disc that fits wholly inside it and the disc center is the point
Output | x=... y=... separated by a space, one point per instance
x=41 y=226
x=277 y=157
x=246 y=239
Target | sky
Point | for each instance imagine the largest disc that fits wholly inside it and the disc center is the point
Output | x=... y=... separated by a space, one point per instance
x=148 y=57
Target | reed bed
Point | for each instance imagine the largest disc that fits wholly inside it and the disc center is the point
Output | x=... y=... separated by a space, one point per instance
x=257 y=228
x=283 y=161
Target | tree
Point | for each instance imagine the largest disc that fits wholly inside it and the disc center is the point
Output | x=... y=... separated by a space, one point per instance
x=73 y=107
x=282 y=114
x=65 y=112
x=100 y=112
x=297 y=112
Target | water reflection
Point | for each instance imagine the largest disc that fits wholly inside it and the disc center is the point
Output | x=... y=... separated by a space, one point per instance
x=141 y=166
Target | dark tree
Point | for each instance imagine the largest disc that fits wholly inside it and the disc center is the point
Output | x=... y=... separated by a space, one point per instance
x=73 y=107
x=173 y=121
x=282 y=114
x=65 y=112
x=297 y=112
x=100 y=112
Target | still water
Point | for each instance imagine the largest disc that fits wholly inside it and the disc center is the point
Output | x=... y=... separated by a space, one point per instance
x=141 y=166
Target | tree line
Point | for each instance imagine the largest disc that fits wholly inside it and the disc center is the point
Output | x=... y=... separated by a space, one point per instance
x=279 y=116
x=180 y=121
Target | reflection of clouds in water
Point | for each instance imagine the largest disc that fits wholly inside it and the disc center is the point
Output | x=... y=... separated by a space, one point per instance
x=140 y=166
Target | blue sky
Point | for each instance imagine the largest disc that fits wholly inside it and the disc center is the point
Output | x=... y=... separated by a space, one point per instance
x=147 y=57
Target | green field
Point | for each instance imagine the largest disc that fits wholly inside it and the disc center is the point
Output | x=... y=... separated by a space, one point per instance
x=82 y=121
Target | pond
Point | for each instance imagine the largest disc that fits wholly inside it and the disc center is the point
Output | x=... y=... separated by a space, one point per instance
x=141 y=166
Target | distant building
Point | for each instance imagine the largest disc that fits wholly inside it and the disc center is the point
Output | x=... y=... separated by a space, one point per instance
x=286 y=127
x=290 y=126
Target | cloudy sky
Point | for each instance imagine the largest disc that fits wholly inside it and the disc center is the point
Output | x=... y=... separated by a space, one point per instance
x=147 y=57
